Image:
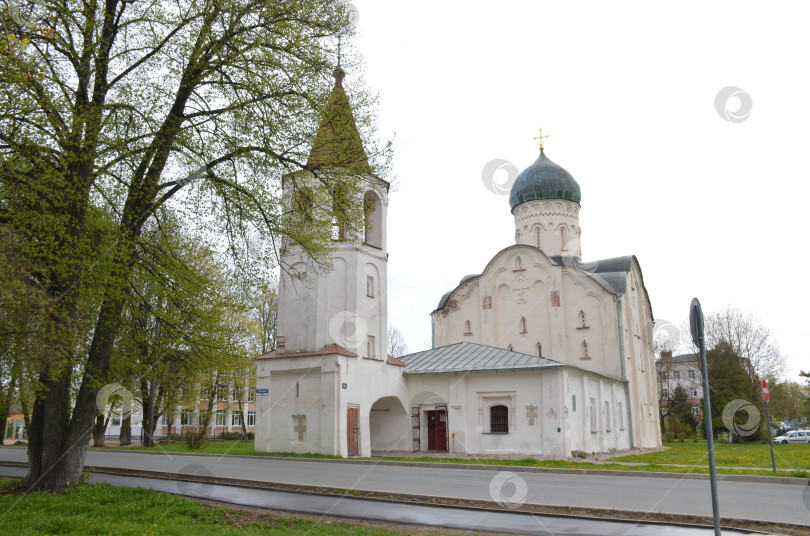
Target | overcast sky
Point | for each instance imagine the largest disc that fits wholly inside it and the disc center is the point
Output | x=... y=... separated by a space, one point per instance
x=712 y=208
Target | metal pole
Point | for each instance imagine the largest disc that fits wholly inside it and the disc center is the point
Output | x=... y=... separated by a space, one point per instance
x=770 y=438
x=707 y=417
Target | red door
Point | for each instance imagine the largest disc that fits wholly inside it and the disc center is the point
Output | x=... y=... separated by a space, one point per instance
x=437 y=430
x=352 y=431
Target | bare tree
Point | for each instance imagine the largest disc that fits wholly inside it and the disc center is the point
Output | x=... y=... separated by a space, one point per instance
x=397 y=346
x=749 y=339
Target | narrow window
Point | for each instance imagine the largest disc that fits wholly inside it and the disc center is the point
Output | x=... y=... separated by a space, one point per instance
x=499 y=420
x=517 y=237
x=621 y=416
x=467 y=328
x=370 y=286
x=608 y=423
x=594 y=416
x=574 y=402
x=297 y=389
x=563 y=238
x=370 y=346
x=509 y=348
x=523 y=328
x=583 y=319
x=537 y=238
x=373 y=219
x=538 y=348
x=251 y=418
x=584 y=349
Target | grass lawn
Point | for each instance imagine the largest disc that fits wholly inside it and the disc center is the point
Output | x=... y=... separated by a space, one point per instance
x=754 y=454
x=102 y=509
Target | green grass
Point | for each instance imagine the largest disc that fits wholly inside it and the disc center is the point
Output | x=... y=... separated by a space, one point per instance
x=753 y=457
x=754 y=454
x=101 y=509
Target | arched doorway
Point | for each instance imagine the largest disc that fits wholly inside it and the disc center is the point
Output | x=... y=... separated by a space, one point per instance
x=389 y=426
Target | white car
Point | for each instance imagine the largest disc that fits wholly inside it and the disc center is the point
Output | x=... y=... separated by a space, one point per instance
x=796 y=436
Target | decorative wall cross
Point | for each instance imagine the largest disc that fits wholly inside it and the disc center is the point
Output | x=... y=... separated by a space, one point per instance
x=531 y=413
x=300 y=426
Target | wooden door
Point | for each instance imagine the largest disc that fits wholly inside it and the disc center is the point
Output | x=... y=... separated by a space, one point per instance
x=352 y=432
x=437 y=430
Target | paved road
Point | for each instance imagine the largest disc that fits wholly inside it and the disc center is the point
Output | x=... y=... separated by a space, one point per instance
x=436 y=516
x=740 y=500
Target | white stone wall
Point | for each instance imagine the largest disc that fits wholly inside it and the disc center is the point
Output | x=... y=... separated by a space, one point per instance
x=551 y=225
x=522 y=283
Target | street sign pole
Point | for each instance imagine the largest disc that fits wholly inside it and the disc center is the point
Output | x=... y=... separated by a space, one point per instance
x=698 y=337
x=766 y=396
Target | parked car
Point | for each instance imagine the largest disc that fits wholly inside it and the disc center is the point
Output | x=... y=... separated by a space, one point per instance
x=796 y=436
x=784 y=430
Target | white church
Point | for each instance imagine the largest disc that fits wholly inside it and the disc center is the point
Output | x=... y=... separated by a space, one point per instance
x=539 y=354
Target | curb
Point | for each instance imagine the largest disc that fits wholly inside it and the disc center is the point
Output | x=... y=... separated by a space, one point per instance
x=758 y=479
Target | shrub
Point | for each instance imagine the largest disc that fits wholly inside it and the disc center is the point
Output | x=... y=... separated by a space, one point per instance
x=669 y=437
x=681 y=436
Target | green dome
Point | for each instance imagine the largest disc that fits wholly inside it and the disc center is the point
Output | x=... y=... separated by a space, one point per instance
x=544 y=180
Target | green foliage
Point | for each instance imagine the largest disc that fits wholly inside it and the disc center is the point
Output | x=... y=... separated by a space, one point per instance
x=729 y=380
x=669 y=437
x=103 y=509
x=111 y=112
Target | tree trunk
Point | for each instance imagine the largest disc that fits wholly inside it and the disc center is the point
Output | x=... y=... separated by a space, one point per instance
x=149 y=414
x=99 y=429
x=242 y=419
x=125 y=437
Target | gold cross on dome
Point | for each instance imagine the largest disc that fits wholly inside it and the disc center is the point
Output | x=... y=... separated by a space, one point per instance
x=541 y=138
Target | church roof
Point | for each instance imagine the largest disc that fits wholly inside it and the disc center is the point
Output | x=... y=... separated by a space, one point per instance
x=472 y=357
x=338 y=142
x=544 y=180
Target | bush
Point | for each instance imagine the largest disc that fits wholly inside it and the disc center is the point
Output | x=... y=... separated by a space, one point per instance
x=669 y=437
x=681 y=436
x=196 y=437
x=235 y=436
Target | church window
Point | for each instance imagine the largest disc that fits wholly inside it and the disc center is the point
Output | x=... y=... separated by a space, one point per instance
x=584 y=350
x=594 y=416
x=373 y=219
x=523 y=328
x=583 y=319
x=467 y=328
x=251 y=418
x=563 y=238
x=608 y=423
x=621 y=416
x=509 y=348
x=341 y=204
x=370 y=346
x=499 y=419
x=519 y=263
x=517 y=237
x=297 y=389
x=537 y=238
x=573 y=402
x=538 y=348
x=370 y=286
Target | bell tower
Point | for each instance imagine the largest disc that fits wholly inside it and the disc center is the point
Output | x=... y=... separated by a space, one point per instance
x=345 y=304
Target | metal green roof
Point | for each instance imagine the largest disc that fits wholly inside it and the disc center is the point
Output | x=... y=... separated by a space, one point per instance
x=544 y=180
